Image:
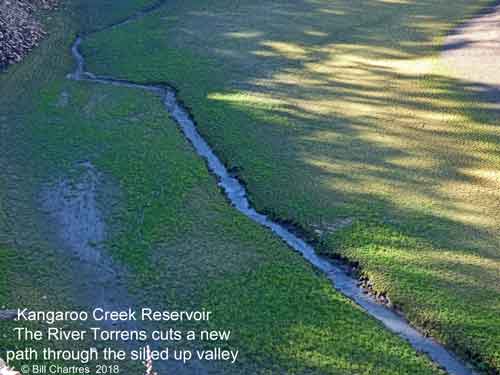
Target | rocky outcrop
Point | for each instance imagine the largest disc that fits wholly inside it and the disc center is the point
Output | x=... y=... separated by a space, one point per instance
x=20 y=30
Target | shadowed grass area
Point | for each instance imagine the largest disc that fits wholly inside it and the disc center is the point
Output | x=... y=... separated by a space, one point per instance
x=33 y=274
x=349 y=102
x=187 y=248
x=95 y=15
x=3 y=276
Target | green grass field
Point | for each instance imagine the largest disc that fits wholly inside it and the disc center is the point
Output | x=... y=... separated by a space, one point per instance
x=183 y=246
x=32 y=273
x=347 y=100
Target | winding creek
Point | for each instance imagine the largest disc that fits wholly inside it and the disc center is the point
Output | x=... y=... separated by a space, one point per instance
x=237 y=195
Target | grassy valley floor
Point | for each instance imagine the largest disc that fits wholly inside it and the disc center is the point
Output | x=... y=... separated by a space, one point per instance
x=341 y=119
x=169 y=229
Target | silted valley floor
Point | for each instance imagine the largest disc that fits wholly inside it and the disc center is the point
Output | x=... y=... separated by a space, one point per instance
x=167 y=226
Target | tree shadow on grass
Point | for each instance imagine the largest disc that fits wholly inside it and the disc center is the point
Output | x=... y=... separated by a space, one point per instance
x=355 y=119
x=342 y=99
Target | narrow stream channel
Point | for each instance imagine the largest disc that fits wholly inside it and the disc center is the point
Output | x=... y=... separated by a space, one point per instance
x=237 y=195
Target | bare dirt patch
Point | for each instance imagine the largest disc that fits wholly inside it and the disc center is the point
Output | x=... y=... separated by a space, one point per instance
x=74 y=207
x=71 y=206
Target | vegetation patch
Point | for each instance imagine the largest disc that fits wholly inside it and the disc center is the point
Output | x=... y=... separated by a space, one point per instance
x=360 y=114
x=174 y=230
x=184 y=246
x=4 y=274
